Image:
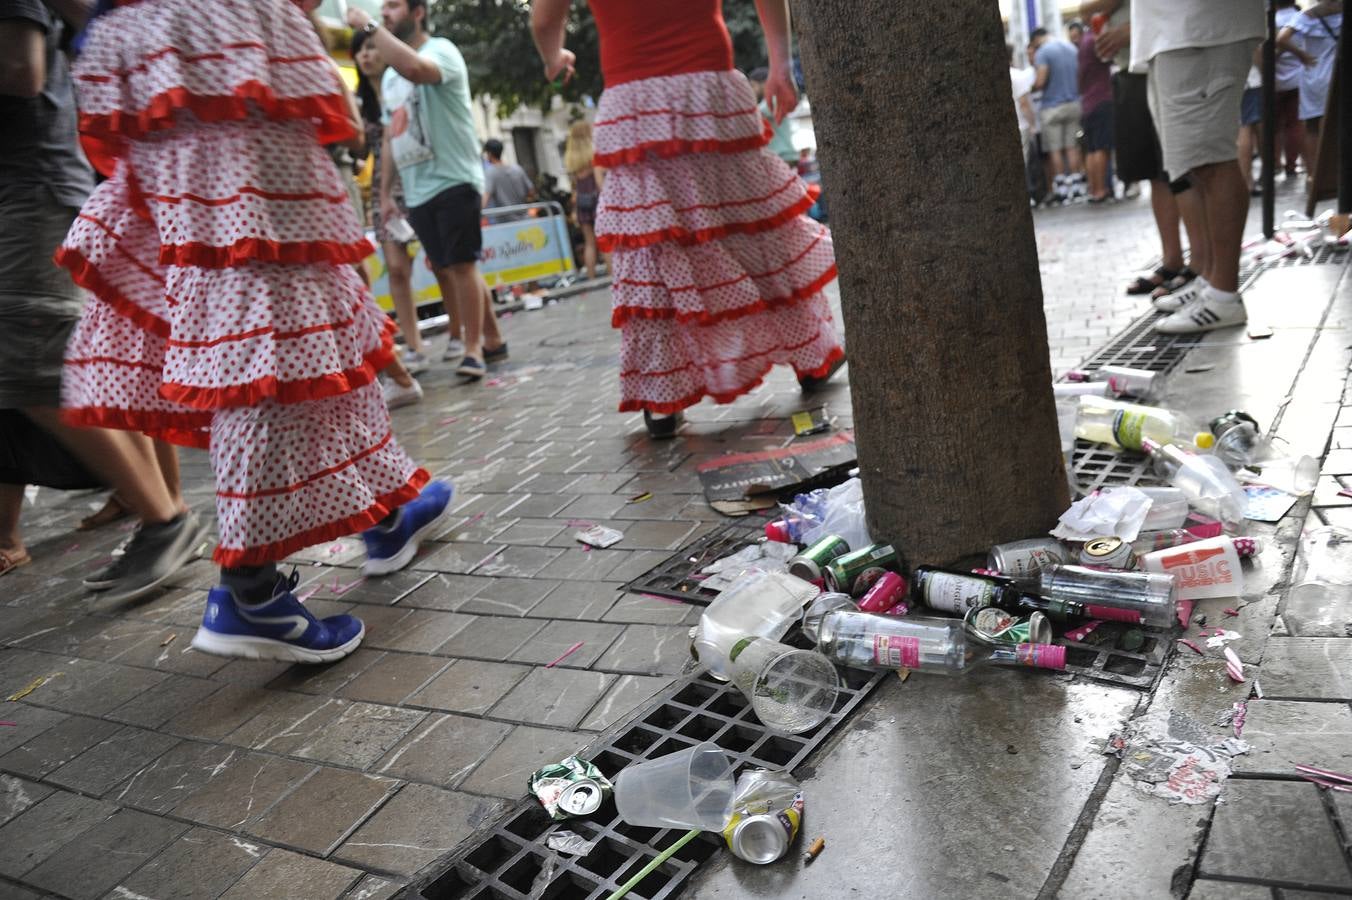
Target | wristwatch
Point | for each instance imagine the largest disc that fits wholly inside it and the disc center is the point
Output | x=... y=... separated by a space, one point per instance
x=371 y=26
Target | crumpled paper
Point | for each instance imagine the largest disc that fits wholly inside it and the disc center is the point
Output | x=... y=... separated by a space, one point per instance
x=1119 y=512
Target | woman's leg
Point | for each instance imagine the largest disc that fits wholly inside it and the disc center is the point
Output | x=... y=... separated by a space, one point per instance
x=400 y=269
x=11 y=536
x=589 y=249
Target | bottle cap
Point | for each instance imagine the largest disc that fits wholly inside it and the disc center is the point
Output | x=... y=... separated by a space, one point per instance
x=1042 y=656
x=777 y=531
x=1205 y=440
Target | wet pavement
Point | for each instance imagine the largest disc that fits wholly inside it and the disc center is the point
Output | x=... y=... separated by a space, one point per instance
x=138 y=768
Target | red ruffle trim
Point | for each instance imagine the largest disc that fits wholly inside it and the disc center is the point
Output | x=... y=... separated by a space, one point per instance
x=299 y=391
x=670 y=409
x=87 y=276
x=187 y=429
x=354 y=524
x=680 y=147
x=685 y=237
x=327 y=111
x=247 y=250
x=622 y=314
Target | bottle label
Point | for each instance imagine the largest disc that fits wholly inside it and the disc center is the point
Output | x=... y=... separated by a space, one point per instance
x=1128 y=427
x=1112 y=613
x=956 y=593
x=896 y=652
x=1041 y=656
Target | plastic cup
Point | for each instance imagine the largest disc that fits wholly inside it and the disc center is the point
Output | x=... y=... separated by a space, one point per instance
x=1067 y=414
x=686 y=789
x=790 y=690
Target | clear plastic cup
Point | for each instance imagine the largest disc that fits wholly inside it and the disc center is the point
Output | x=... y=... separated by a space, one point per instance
x=686 y=789
x=1067 y=414
x=790 y=690
x=759 y=603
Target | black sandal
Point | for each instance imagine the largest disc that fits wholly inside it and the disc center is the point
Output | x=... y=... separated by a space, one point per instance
x=1182 y=279
x=1143 y=285
x=663 y=427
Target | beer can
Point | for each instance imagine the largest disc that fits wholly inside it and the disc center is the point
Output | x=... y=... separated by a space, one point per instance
x=886 y=592
x=582 y=797
x=811 y=563
x=573 y=787
x=842 y=571
x=767 y=811
x=1108 y=553
x=761 y=839
x=1020 y=559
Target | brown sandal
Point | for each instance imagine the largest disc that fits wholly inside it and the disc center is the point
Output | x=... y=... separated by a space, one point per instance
x=114 y=510
x=9 y=563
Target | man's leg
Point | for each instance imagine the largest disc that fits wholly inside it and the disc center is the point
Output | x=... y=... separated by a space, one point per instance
x=1165 y=207
x=1226 y=206
x=460 y=284
x=492 y=334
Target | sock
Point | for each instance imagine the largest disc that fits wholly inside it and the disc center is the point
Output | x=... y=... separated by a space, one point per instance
x=252 y=585
x=1221 y=296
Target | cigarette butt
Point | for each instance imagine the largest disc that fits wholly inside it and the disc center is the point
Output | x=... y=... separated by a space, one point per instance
x=815 y=850
x=169 y=640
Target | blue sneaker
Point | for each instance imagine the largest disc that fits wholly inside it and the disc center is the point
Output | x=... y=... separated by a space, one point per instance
x=389 y=549
x=281 y=629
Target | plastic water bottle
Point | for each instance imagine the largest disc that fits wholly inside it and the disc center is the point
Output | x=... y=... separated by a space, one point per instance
x=1205 y=480
x=1128 y=424
x=863 y=640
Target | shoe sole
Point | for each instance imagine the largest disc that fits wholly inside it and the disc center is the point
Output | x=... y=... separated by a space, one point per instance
x=377 y=567
x=406 y=400
x=99 y=587
x=1198 y=329
x=244 y=647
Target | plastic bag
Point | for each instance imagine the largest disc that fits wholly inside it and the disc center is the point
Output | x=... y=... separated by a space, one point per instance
x=838 y=510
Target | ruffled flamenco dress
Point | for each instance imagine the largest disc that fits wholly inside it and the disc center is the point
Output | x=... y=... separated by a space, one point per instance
x=717 y=273
x=226 y=313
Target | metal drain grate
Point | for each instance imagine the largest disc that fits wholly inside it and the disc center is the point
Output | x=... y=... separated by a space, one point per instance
x=507 y=861
x=1097 y=465
x=1141 y=347
x=677 y=576
x=1101 y=657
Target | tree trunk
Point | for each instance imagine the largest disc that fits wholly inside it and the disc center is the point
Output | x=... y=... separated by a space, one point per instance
x=954 y=415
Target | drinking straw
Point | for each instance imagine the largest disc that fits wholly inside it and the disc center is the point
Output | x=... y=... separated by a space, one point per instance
x=647 y=870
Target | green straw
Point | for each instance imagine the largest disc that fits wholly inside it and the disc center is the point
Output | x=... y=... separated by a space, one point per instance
x=647 y=870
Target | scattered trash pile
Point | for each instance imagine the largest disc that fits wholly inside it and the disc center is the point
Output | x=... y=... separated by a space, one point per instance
x=1299 y=235
x=1122 y=562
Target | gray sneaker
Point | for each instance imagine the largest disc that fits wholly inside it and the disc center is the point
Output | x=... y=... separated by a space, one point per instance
x=151 y=558
x=455 y=349
x=416 y=362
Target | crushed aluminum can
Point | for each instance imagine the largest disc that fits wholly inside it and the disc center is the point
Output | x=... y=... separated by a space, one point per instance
x=571 y=787
x=767 y=811
x=1108 y=552
x=599 y=536
x=996 y=626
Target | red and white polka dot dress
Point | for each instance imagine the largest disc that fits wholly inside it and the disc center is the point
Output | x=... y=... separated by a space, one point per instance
x=226 y=313
x=717 y=274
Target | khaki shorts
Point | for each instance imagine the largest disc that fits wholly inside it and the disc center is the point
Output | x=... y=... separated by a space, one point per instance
x=1060 y=126
x=39 y=304
x=1195 y=96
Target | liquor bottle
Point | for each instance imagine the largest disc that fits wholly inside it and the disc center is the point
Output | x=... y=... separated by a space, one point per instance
x=868 y=641
x=1138 y=597
x=1119 y=379
x=1205 y=480
x=1128 y=424
x=958 y=593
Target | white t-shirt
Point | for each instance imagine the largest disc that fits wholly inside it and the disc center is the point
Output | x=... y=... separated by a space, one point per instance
x=1288 y=66
x=1021 y=80
x=1161 y=25
x=1319 y=38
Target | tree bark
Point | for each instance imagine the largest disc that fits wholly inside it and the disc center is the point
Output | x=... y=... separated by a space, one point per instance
x=949 y=368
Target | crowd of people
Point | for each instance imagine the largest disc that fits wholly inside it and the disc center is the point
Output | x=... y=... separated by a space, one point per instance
x=209 y=292
x=1070 y=101
x=1170 y=94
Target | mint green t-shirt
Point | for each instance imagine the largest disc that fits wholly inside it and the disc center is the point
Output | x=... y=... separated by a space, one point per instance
x=781 y=144
x=431 y=127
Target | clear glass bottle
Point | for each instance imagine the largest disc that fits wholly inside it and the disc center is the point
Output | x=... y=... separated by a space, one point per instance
x=1138 y=597
x=1205 y=480
x=868 y=641
x=1126 y=425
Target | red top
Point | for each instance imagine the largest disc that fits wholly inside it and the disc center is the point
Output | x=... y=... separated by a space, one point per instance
x=650 y=38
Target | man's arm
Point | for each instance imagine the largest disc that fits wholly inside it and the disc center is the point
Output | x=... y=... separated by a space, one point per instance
x=398 y=55
x=1026 y=106
x=387 y=176
x=1043 y=73
x=23 y=67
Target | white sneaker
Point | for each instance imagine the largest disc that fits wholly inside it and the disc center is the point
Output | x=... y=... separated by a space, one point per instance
x=455 y=348
x=1205 y=313
x=1180 y=297
x=397 y=396
x=415 y=362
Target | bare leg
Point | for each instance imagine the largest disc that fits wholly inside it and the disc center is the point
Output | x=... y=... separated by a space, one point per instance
x=1245 y=146
x=400 y=269
x=461 y=287
x=1193 y=214
x=1096 y=168
x=166 y=459
x=1074 y=159
x=1165 y=208
x=1227 y=206
x=492 y=334
x=116 y=456
x=589 y=249
x=11 y=506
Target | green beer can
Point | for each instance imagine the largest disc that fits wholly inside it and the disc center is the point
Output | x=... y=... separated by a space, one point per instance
x=842 y=571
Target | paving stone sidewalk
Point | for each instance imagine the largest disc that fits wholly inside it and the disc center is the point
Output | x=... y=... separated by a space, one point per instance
x=133 y=767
